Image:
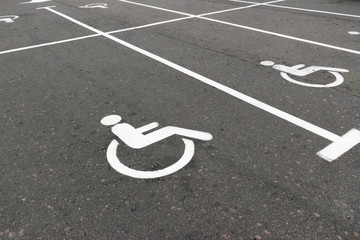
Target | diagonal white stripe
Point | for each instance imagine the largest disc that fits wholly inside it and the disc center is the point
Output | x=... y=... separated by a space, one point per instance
x=300 y=9
x=253 y=29
x=281 y=114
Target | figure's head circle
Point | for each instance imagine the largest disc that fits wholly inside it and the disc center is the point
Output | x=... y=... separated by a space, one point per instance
x=110 y=120
x=267 y=63
x=354 y=33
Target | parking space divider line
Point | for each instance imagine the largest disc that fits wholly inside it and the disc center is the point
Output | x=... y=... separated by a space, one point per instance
x=339 y=149
x=149 y=25
x=199 y=15
x=254 y=4
x=247 y=27
x=49 y=44
x=300 y=9
x=284 y=36
x=91 y=36
x=188 y=16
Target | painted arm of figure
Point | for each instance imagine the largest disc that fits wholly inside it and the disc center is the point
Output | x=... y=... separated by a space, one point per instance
x=319 y=68
x=148 y=127
x=295 y=70
x=292 y=70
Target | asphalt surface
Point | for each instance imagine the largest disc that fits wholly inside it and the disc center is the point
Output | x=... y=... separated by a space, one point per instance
x=259 y=177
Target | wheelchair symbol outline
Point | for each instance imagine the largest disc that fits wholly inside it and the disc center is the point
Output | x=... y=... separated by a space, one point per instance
x=299 y=70
x=136 y=139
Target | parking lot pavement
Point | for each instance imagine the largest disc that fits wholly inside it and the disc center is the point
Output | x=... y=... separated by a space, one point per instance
x=238 y=119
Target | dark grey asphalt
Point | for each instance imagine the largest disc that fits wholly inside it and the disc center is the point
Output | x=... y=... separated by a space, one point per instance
x=258 y=178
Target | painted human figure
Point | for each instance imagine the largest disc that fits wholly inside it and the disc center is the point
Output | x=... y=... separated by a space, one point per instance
x=8 y=19
x=135 y=137
x=299 y=70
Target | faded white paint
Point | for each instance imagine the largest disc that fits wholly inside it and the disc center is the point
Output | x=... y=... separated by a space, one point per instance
x=249 y=28
x=8 y=19
x=338 y=80
x=300 y=71
x=95 y=5
x=110 y=120
x=115 y=162
x=189 y=16
x=90 y=36
x=281 y=114
x=201 y=15
x=354 y=33
x=267 y=63
x=301 y=9
x=341 y=146
x=136 y=139
x=36 y=1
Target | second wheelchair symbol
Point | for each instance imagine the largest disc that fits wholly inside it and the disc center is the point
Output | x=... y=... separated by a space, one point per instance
x=301 y=71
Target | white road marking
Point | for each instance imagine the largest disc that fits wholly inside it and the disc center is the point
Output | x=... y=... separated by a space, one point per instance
x=48 y=44
x=267 y=63
x=110 y=120
x=137 y=139
x=148 y=127
x=96 y=35
x=354 y=33
x=281 y=114
x=189 y=16
x=149 y=25
x=340 y=146
x=339 y=79
x=35 y=1
x=8 y=18
x=111 y=154
x=95 y=5
x=301 y=9
x=90 y=36
x=239 y=8
x=300 y=71
x=285 y=36
x=200 y=15
x=252 y=29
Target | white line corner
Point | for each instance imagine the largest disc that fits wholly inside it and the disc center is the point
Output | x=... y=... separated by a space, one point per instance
x=340 y=146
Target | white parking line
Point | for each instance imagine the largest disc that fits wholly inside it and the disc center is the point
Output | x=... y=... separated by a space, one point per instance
x=285 y=36
x=301 y=9
x=189 y=16
x=281 y=114
x=253 y=29
x=90 y=36
x=240 y=8
x=340 y=146
x=200 y=15
x=48 y=44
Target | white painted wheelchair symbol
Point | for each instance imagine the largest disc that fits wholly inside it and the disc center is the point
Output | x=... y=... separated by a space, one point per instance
x=8 y=19
x=300 y=71
x=135 y=138
x=95 y=5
